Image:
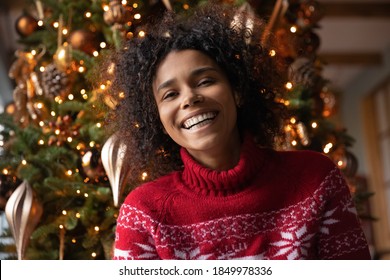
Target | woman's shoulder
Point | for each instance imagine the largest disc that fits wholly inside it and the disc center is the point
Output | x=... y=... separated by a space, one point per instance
x=149 y=196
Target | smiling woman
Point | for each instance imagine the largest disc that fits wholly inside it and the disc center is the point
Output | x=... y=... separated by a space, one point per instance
x=200 y=109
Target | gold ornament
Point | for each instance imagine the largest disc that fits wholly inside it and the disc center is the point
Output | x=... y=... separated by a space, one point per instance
x=23 y=212
x=27 y=86
x=63 y=57
x=26 y=25
x=84 y=40
x=113 y=154
x=116 y=13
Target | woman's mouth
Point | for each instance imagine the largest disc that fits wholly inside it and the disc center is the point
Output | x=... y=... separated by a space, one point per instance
x=199 y=120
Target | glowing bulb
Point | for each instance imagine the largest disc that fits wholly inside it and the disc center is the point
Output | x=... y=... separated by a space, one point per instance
x=24 y=162
x=40 y=22
x=56 y=24
x=186 y=6
x=92 y=144
x=57 y=131
x=70 y=96
x=82 y=91
x=74 y=240
x=85 y=195
x=141 y=34
x=106 y=8
x=64 y=31
x=103 y=45
x=124 y=2
x=135 y=5
x=88 y=14
x=314 y=124
x=289 y=85
x=69 y=139
x=95 y=53
x=96 y=228
x=53 y=113
x=340 y=163
x=42 y=69
x=78 y=215
x=272 y=52
x=61 y=226
x=81 y=69
x=69 y=172
x=93 y=254
x=78 y=192
x=33 y=52
x=5 y=171
x=41 y=142
x=99 y=125
x=41 y=123
x=64 y=212
x=293 y=29
x=293 y=120
x=137 y=16
x=294 y=143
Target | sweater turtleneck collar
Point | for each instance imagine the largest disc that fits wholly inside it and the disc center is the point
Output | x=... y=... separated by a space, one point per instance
x=207 y=181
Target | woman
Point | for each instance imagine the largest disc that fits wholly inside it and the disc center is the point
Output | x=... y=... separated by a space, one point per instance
x=199 y=117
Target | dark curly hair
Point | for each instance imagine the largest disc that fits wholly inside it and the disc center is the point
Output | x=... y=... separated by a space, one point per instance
x=210 y=29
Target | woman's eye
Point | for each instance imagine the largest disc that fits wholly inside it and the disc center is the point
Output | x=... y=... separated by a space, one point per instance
x=205 y=82
x=170 y=94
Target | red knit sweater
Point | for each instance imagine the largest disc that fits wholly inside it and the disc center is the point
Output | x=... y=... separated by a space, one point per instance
x=272 y=205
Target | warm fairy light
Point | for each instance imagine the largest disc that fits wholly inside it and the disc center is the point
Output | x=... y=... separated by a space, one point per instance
x=24 y=162
x=40 y=22
x=53 y=113
x=96 y=228
x=82 y=91
x=141 y=34
x=293 y=120
x=294 y=143
x=61 y=226
x=41 y=123
x=272 y=52
x=78 y=192
x=33 y=52
x=102 y=86
x=64 y=31
x=42 y=69
x=5 y=171
x=85 y=195
x=95 y=53
x=41 y=142
x=39 y=105
x=77 y=170
x=93 y=255
x=70 y=96
x=103 y=45
x=289 y=85
x=135 y=5
x=314 y=125
x=56 y=24
x=328 y=147
x=74 y=240
x=121 y=94
x=92 y=144
x=64 y=212
x=99 y=125
x=340 y=163
x=144 y=175
x=286 y=102
x=137 y=16
x=69 y=172
x=186 y=6
x=124 y=2
x=106 y=8
x=78 y=215
x=81 y=69
x=88 y=14
x=69 y=139
x=293 y=29
x=1 y=143
x=85 y=96
x=57 y=131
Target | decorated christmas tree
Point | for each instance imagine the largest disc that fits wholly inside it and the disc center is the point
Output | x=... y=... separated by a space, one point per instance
x=62 y=179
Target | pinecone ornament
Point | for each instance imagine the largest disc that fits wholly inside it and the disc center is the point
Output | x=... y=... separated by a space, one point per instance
x=54 y=81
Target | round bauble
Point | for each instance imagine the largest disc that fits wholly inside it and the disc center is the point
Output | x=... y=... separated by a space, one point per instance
x=25 y=25
x=91 y=165
x=84 y=40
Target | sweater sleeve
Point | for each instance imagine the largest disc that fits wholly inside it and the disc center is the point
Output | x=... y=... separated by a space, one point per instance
x=134 y=235
x=341 y=234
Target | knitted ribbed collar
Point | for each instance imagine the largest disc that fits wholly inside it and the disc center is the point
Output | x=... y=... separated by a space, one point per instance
x=222 y=183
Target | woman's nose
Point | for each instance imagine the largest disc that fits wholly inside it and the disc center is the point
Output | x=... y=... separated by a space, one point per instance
x=191 y=98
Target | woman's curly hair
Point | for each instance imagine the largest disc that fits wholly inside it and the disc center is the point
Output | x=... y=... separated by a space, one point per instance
x=217 y=32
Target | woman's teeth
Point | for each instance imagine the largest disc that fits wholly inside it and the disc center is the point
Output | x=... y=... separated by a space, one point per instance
x=199 y=120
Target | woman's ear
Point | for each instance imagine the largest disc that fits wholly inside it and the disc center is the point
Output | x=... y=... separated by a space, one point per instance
x=237 y=99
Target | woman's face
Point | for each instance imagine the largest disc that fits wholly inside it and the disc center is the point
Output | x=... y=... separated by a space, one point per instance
x=195 y=103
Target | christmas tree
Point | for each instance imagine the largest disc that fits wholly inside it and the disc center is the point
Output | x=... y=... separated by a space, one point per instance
x=61 y=176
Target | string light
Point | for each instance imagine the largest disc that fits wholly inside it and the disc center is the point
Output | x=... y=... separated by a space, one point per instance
x=88 y=14
x=96 y=228
x=41 y=142
x=70 y=96
x=57 y=131
x=56 y=24
x=5 y=171
x=93 y=254
x=272 y=52
x=85 y=195
x=327 y=148
x=106 y=8
x=33 y=52
x=124 y=2
x=340 y=163
x=69 y=172
x=42 y=69
x=103 y=45
x=141 y=34
x=40 y=22
x=64 y=212
x=186 y=6
x=61 y=226
x=53 y=113
x=99 y=125
x=69 y=139
x=294 y=143
x=314 y=125
x=293 y=120
x=95 y=53
x=137 y=16
x=293 y=29
x=74 y=240
x=92 y=144
x=81 y=69
x=144 y=175
x=24 y=162
x=78 y=215
x=135 y=5
x=78 y=192
x=64 y=31
x=289 y=85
